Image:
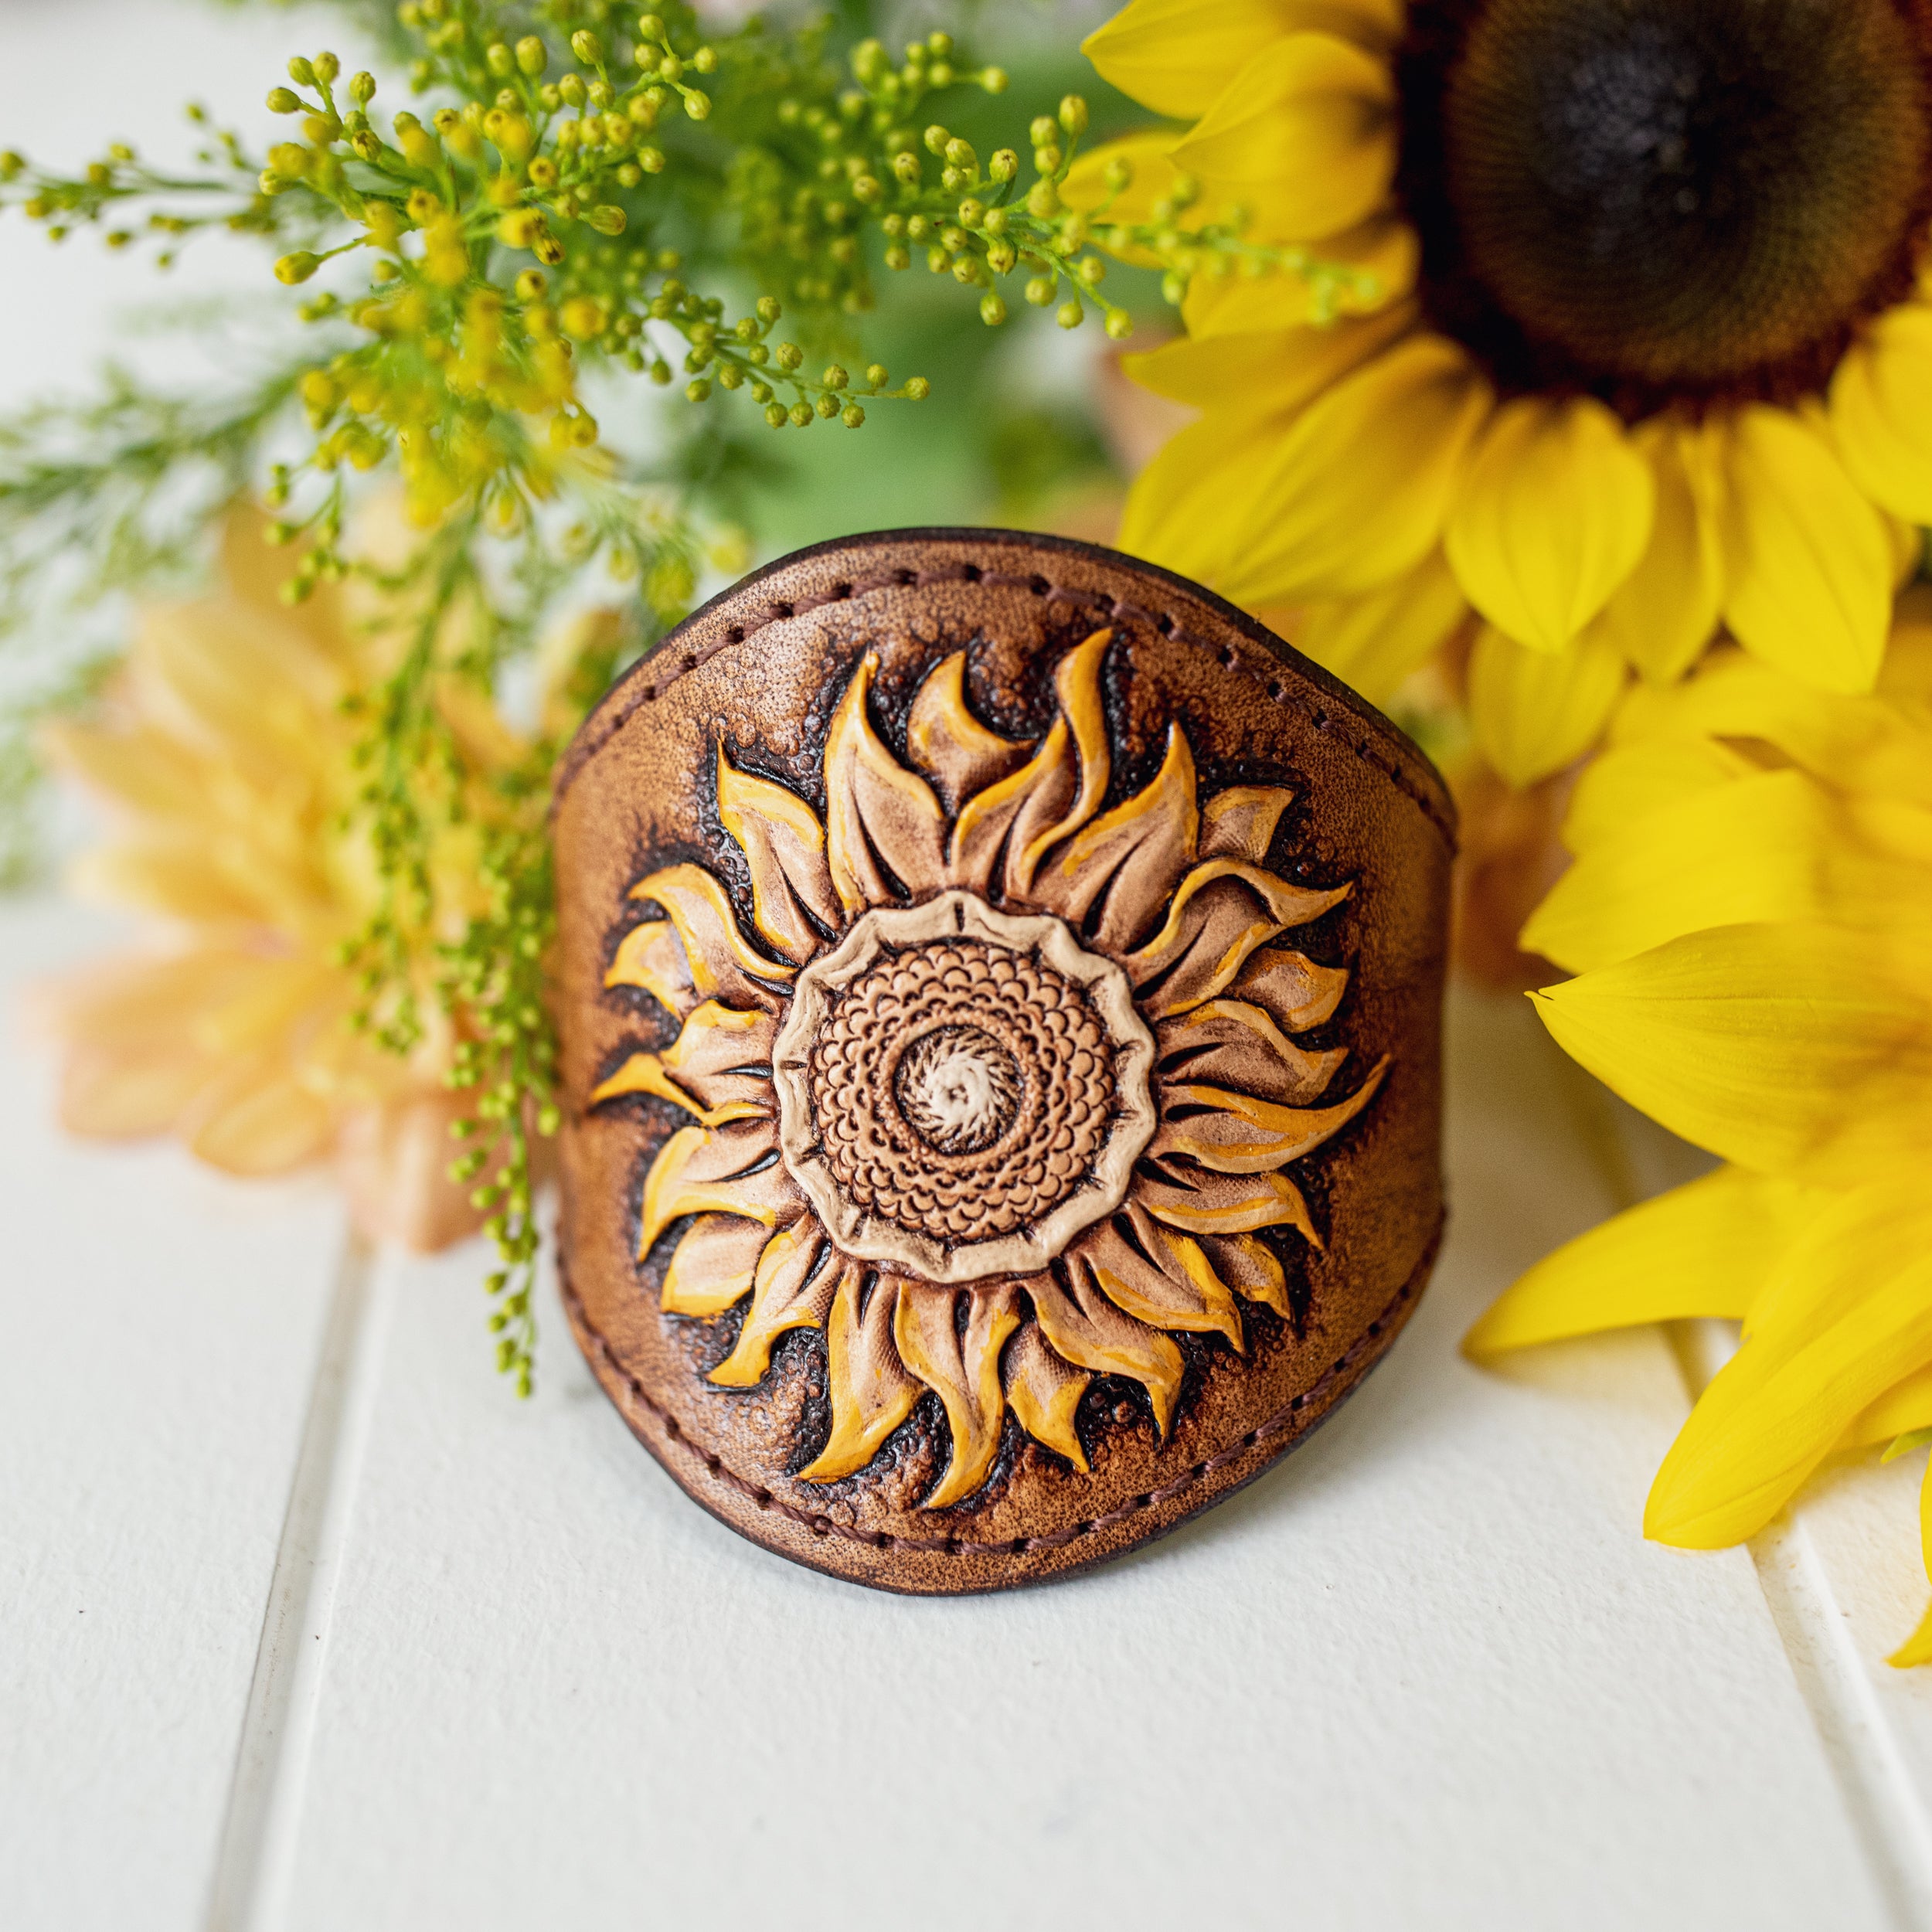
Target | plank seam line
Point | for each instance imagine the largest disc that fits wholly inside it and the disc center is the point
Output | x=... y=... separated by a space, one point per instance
x=255 y=1855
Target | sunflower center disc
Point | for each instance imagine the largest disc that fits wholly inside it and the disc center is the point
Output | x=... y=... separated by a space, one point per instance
x=961 y=1090
x=1682 y=194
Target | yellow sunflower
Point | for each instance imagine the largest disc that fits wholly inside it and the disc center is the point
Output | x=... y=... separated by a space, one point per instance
x=1749 y=918
x=1009 y=1136
x=1648 y=351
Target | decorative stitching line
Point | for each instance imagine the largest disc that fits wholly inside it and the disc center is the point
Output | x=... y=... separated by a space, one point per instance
x=1121 y=609
x=821 y=1524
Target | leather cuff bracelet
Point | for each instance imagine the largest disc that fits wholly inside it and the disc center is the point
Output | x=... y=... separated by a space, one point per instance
x=1000 y=987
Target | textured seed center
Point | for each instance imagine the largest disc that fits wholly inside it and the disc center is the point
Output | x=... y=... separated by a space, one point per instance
x=959 y=1088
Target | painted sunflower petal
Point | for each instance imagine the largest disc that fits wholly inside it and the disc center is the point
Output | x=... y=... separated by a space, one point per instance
x=1238 y=1135
x=718 y=962
x=1175 y=57
x=1666 y=609
x=784 y=848
x=1305 y=131
x=870 y=1391
x=792 y=1287
x=945 y=740
x=1199 y=1201
x=1229 y=1043
x=1160 y=1277
x=1881 y=412
x=1355 y=493
x=962 y=1370
x=1554 y=511
x=1291 y=987
x=1044 y=1393
x=883 y=825
x=1533 y=712
x=1372 y=641
x=717 y=1067
x=1239 y=823
x=1807 y=564
x=1917 y=1647
x=1251 y=1268
x=714 y=1266
x=1221 y=911
x=1772 y=1044
x=1083 y=1327
x=1128 y=861
x=1009 y=826
x=1763 y=1425
x=1706 y=1249
x=725 y=1170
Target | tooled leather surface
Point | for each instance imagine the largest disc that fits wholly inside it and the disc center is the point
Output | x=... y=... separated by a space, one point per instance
x=761 y=667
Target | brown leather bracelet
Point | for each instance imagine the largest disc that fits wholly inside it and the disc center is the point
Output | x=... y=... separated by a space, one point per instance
x=1000 y=990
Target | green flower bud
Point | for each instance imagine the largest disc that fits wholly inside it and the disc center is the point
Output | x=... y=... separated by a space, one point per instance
x=587 y=47
x=1070 y=314
x=992 y=311
x=876 y=377
x=971 y=213
x=283 y=101
x=706 y=60
x=1039 y=291
x=1092 y=271
x=298 y=267
x=1074 y=114
x=790 y=354
x=1003 y=165
x=699 y=390
x=994 y=79
x=697 y=104
x=1120 y=324
x=1046 y=161
x=1042 y=201
x=800 y=415
x=609 y=220
x=11 y=164
x=826 y=407
x=959 y=153
x=939 y=45
x=531 y=55
x=898 y=256
x=650 y=28
x=935 y=139
x=906 y=168
x=768 y=310
x=302 y=72
x=918 y=389
x=327 y=68
x=499 y=59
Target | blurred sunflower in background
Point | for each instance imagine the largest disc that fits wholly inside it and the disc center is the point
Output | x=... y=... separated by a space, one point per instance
x=1640 y=350
x=1748 y=917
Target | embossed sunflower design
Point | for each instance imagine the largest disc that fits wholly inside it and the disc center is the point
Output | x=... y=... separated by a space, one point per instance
x=1000 y=1089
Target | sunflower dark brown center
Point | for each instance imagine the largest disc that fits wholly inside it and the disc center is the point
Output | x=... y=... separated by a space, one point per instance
x=1663 y=199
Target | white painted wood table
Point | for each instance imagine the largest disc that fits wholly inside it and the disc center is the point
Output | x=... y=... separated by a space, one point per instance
x=306 y=1626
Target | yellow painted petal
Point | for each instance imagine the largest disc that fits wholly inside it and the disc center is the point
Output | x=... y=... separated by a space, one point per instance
x=945 y=740
x=1703 y=1250
x=1044 y=1393
x=1239 y=822
x=1228 y=1043
x=1533 y=712
x=1774 y=846
x=1666 y=611
x=1084 y=1327
x=714 y=1266
x=1222 y=911
x=716 y=1068
x=792 y=1288
x=1251 y=1268
x=962 y=1368
x=1371 y=642
x=877 y=812
x=1917 y=1647
x=784 y=848
x=1881 y=412
x=719 y=963
x=651 y=958
x=1762 y=1427
x=702 y=1170
x=1304 y=132
x=871 y=1393
x=1770 y=1044
x=1292 y=988
x=1128 y=861
x=1170 y=1286
x=1806 y=561
x=1355 y=492
x=1239 y=1135
x=1175 y=57
x=1554 y=512
x=1199 y=1201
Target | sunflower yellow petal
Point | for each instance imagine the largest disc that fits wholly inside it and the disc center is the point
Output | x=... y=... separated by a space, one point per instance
x=1702 y=1249
x=1239 y=823
x=947 y=741
x=1666 y=611
x=717 y=960
x=1082 y=1326
x=1250 y=1266
x=1354 y=493
x=961 y=1367
x=1200 y=1201
x=1044 y=1393
x=792 y=1288
x=1382 y=251
x=1904 y=1409
x=1881 y=412
x=879 y=813
x=1807 y=564
x=1239 y=1134
x=1625 y=784
x=1917 y=1647
x=784 y=849
x=1552 y=516
x=870 y=1392
x=1176 y=56
x=1533 y=712
x=1304 y=132
x=1373 y=642
x=728 y=1170
x=714 y=1266
x=1770 y=1044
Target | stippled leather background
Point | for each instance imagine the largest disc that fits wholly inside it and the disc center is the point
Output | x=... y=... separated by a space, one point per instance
x=763 y=666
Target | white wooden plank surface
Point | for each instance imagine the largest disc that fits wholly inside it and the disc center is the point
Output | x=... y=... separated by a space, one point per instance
x=158 y=1336
x=1427 y=1667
